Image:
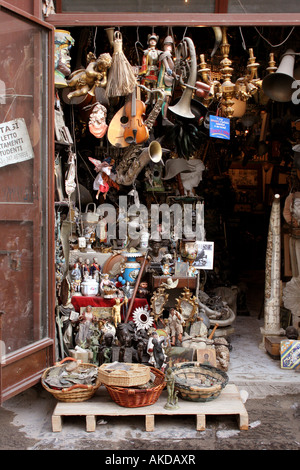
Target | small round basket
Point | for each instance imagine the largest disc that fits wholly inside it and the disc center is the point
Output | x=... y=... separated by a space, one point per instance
x=199 y=382
x=75 y=393
x=135 y=374
x=130 y=397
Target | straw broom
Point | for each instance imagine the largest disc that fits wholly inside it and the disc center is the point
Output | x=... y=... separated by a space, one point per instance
x=121 y=79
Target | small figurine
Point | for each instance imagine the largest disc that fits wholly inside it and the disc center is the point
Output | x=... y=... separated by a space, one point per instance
x=172 y=400
x=167 y=264
x=76 y=277
x=103 y=181
x=95 y=269
x=143 y=290
x=116 y=311
x=192 y=271
x=155 y=350
x=175 y=326
x=166 y=269
x=108 y=327
x=85 y=268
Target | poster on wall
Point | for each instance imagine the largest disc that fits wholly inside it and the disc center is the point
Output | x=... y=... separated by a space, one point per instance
x=219 y=127
x=15 y=144
x=205 y=255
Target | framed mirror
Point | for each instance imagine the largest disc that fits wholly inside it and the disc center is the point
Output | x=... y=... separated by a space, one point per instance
x=157 y=302
x=187 y=305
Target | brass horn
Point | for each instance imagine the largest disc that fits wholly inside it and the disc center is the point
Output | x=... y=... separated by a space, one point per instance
x=183 y=107
x=278 y=85
x=134 y=160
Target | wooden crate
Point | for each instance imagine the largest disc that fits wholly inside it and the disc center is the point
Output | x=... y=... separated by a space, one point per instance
x=272 y=345
x=228 y=403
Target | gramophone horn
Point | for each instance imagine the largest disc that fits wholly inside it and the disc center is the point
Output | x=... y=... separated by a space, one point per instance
x=155 y=151
x=278 y=85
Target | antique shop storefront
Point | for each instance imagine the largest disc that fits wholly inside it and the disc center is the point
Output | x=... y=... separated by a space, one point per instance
x=142 y=147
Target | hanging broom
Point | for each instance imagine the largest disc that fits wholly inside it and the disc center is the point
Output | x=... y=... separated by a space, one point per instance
x=121 y=79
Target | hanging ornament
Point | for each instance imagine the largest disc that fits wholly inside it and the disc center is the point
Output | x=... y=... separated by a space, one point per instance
x=121 y=79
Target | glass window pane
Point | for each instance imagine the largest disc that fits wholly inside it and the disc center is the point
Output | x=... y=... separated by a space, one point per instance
x=168 y=6
x=267 y=6
x=23 y=173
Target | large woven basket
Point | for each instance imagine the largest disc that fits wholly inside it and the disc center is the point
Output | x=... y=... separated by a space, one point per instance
x=199 y=382
x=135 y=397
x=138 y=374
x=75 y=393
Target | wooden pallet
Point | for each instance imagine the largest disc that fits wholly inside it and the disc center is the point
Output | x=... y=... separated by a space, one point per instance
x=228 y=403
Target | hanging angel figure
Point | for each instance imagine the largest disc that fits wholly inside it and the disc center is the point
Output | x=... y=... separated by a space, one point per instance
x=103 y=180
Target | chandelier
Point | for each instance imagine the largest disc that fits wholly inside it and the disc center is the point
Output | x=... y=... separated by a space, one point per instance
x=224 y=90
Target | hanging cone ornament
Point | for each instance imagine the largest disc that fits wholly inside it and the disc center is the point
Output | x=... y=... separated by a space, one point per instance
x=121 y=79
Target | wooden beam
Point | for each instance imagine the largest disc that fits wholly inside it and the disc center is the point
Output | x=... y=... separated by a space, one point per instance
x=173 y=19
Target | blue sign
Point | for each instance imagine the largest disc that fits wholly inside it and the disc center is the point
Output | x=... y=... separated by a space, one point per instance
x=219 y=127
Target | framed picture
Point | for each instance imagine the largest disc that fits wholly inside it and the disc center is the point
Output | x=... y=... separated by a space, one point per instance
x=205 y=255
x=207 y=357
x=100 y=313
x=181 y=269
x=176 y=355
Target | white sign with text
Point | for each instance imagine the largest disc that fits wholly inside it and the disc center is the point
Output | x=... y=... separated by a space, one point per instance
x=15 y=144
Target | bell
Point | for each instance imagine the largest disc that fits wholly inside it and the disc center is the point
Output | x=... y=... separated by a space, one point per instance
x=278 y=85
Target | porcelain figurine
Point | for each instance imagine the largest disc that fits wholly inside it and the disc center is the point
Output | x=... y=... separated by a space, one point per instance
x=95 y=269
x=107 y=287
x=76 y=278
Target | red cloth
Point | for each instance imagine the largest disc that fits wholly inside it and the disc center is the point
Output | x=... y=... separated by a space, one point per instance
x=95 y=301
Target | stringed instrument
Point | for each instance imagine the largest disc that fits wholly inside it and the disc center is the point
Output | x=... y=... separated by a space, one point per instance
x=136 y=132
x=127 y=126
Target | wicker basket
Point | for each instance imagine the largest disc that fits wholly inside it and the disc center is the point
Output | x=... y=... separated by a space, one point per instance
x=134 y=397
x=189 y=378
x=77 y=392
x=138 y=374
